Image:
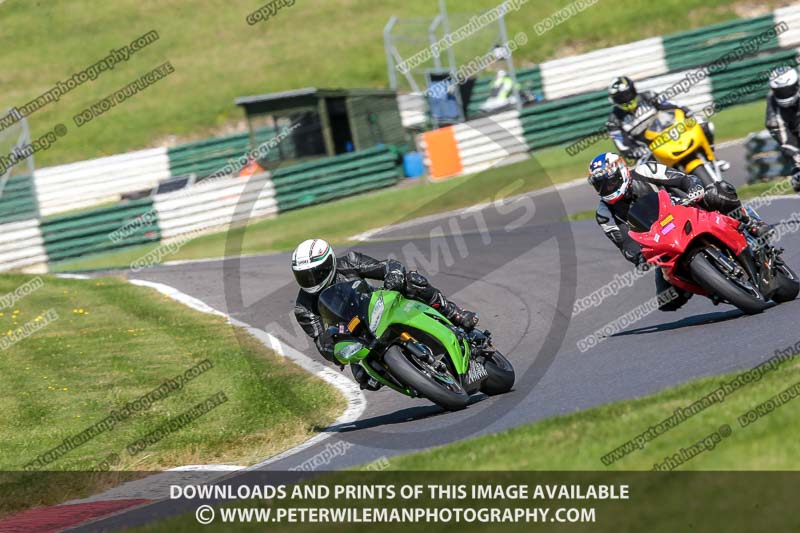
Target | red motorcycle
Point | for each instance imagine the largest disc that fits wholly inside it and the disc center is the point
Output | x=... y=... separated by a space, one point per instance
x=703 y=252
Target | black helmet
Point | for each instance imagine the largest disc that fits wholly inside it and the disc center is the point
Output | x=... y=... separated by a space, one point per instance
x=622 y=92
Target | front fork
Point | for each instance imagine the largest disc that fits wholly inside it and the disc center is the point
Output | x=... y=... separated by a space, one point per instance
x=762 y=263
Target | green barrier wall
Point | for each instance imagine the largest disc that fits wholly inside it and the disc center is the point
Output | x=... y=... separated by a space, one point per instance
x=210 y=155
x=745 y=81
x=707 y=44
x=88 y=232
x=559 y=121
x=335 y=177
x=18 y=201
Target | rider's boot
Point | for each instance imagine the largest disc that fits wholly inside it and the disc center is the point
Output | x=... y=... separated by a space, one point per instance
x=460 y=317
x=417 y=286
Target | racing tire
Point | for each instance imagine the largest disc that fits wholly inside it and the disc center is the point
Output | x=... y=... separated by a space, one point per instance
x=788 y=285
x=501 y=375
x=714 y=281
x=453 y=398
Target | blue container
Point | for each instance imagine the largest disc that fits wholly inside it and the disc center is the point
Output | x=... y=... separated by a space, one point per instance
x=413 y=167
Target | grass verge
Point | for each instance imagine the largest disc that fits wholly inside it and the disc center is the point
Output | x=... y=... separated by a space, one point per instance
x=112 y=343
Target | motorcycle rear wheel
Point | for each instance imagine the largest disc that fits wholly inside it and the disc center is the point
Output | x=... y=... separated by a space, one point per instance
x=788 y=285
x=710 y=278
x=413 y=374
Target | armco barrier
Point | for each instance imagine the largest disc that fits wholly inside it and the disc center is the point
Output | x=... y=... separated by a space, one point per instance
x=587 y=72
x=89 y=183
x=22 y=247
x=335 y=177
x=17 y=200
x=215 y=204
x=98 y=181
x=733 y=84
x=88 y=232
x=706 y=44
x=791 y=16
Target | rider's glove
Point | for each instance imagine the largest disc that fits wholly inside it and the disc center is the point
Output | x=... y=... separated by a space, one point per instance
x=326 y=342
x=696 y=193
x=394 y=280
x=416 y=282
x=640 y=262
x=639 y=151
x=328 y=338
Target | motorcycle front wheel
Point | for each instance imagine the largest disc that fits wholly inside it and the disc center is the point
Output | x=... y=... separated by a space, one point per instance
x=788 y=285
x=708 y=276
x=501 y=375
x=442 y=389
x=705 y=176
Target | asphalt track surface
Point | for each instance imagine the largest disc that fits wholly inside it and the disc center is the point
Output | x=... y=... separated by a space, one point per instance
x=522 y=267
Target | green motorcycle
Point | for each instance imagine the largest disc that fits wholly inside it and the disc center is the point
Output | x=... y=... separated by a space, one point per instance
x=410 y=347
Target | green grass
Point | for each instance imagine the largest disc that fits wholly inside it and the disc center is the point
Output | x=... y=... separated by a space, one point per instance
x=736 y=122
x=114 y=342
x=337 y=221
x=579 y=440
x=218 y=56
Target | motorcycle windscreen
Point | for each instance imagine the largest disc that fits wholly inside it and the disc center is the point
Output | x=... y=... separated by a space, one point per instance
x=342 y=301
x=661 y=122
x=644 y=212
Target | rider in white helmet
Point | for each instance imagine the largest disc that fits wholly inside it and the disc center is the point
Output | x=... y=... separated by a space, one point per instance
x=783 y=115
x=316 y=267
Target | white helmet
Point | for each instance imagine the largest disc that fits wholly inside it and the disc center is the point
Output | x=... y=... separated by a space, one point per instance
x=313 y=265
x=783 y=82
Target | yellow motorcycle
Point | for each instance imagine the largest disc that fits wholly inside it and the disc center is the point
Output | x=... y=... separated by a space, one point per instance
x=681 y=143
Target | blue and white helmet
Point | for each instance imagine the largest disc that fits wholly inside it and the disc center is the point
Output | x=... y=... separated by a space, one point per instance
x=610 y=177
x=313 y=265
